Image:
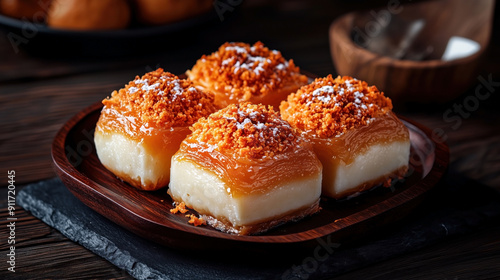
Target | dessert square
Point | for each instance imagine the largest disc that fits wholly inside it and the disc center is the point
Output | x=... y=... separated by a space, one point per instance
x=245 y=171
x=238 y=72
x=142 y=125
x=359 y=140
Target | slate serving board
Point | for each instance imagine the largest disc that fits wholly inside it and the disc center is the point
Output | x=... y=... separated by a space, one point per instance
x=459 y=207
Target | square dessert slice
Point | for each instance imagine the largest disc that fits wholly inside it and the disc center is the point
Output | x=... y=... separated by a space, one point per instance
x=358 y=139
x=142 y=125
x=238 y=72
x=245 y=170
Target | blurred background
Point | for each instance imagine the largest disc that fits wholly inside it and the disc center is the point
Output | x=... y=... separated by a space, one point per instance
x=438 y=60
x=47 y=74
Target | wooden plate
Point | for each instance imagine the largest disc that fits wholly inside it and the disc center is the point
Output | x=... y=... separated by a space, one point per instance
x=147 y=213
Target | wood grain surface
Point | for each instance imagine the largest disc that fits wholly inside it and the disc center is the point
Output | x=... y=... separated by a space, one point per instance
x=38 y=94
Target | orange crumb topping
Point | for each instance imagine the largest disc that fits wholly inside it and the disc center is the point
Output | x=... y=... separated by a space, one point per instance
x=242 y=71
x=162 y=99
x=245 y=130
x=329 y=107
x=195 y=220
x=179 y=207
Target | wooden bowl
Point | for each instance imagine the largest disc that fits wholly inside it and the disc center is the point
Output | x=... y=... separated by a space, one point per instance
x=429 y=80
x=148 y=213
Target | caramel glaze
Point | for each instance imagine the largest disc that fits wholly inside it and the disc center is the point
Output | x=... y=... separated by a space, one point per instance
x=343 y=149
x=252 y=176
x=223 y=99
x=162 y=142
x=274 y=99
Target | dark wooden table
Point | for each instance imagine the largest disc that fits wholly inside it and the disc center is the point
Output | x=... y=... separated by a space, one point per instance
x=38 y=93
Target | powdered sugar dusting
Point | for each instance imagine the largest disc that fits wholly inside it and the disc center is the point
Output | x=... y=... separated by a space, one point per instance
x=150 y=98
x=238 y=49
x=147 y=87
x=282 y=66
x=251 y=122
x=242 y=125
x=260 y=126
x=323 y=94
x=247 y=130
x=252 y=62
x=329 y=107
x=176 y=89
x=329 y=94
x=132 y=90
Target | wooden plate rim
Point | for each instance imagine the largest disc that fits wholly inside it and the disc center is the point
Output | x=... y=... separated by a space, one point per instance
x=65 y=168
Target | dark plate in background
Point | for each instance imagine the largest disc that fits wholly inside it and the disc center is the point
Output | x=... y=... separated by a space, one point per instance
x=147 y=213
x=43 y=40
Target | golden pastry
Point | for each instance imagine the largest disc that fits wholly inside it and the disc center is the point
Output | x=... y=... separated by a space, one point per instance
x=158 y=12
x=238 y=72
x=245 y=170
x=32 y=10
x=358 y=139
x=89 y=14
x=142 y=125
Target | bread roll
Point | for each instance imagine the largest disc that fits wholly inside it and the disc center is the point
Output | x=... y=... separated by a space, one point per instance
x=89 y=14
x=32 y=10
x=158 y=12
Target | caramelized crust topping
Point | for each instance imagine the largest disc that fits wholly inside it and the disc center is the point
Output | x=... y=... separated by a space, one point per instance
x=195 y=220
x=329 y=107
x=242 y=71
x=247 y=130
x=162 y=99
x=179 y=207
